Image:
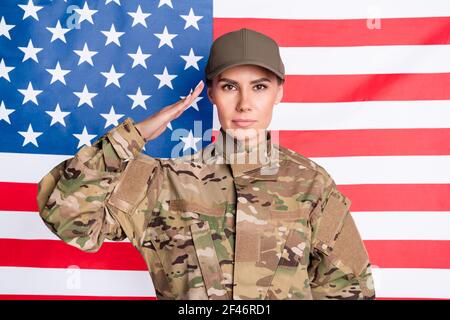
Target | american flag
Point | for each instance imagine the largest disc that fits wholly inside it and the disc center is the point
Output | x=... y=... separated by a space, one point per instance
x=367 y=96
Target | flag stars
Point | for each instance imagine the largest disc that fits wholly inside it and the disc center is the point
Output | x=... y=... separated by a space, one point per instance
x=29 y=94
x=58 y=74
x=191 y=19
x=112 y=77
x=58 y=32
x=138 y=99
x=30 y=10
x=165 y=2
x=85 y=55
x=139 y=17
x=112 y=36
x=190 y=141
x=115 y=1
x=4 y=70
x=85 y=13
x=165 y=79
x=85 y=97
x=112 y=118
x=4 y=28
x=30 y=136
x=191 y=60
x=4 y=113
x=84 y=138
x=57 y=116
x=30 y=52
x=165 y=38
x=139 y=58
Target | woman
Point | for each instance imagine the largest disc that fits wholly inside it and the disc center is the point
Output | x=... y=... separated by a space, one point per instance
x=244 y=218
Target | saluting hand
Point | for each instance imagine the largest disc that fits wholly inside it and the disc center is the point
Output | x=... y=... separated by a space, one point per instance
x=154 y=125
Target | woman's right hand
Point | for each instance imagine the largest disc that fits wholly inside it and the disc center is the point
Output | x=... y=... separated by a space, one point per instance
x=154 y=125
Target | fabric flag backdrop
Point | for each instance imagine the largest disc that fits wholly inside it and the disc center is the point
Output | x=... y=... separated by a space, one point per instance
x=367 y=96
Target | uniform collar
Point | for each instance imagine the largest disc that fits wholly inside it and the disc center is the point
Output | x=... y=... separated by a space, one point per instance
x=242 y=158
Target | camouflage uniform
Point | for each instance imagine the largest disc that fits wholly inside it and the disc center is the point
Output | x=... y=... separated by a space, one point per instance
x=210 y=229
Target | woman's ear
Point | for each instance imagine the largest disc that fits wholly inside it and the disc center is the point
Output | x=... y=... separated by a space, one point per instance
x=210 y=95
x=279 y=96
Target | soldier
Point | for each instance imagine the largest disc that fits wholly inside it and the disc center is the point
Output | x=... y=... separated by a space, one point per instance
x=207 y=225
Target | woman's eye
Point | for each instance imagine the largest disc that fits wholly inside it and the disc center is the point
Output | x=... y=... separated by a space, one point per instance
x=258 y=85
x=226 y=86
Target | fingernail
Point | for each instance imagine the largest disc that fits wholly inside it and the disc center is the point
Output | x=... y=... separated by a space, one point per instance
x=201 y=81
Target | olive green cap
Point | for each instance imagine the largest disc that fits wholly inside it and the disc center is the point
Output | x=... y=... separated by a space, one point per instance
x=244 y=46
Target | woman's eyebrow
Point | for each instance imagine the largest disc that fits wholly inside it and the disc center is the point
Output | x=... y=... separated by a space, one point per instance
x=251 y=82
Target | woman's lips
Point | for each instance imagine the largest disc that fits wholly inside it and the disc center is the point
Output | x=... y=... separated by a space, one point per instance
x=244 y=123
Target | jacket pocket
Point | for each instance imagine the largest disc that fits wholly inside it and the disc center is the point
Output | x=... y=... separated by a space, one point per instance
x=182 y=239
x=290 y=276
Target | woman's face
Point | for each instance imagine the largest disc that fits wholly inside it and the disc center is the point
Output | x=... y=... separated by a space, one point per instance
x=245 y=96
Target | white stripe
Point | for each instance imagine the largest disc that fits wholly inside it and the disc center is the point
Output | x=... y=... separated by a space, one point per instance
x=75 y=281
x=27 y=226
x=411 y=283
x=387 y=169
x=27 y=167
x=392 y=283
x=358 y=115
x=344 y=170
x=330 y=9
x=403 y=225
x=366 y=59
x=371 y=225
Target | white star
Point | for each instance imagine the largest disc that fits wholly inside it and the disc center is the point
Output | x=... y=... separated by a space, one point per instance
x=115 y=1
x=85 y=97
x=57 y=116
x=4 y=113
x=139 y=17
x=85 y=55
x=84 y=138
x=30 y=10
x=194 y=103
x=4 y=28
x=112 y=35
x=167 y=2
x=191 y=60
x=190 y=141
x=4 y=70
x=112 y=77
x=30 y=136
x=165 y=38
x=191 y=19
x=138 y=99
x=85 y=13
x=165 y=79
x=29 y=94
x=30 y=52
x=58 y=32
x=139 y=58
x=58 y=74
x=112 y=119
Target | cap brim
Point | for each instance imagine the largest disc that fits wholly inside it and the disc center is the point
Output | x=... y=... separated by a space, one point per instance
x=241 y=62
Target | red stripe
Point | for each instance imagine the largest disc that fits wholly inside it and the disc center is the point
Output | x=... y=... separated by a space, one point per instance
x=122 y=256
x=55 y=297
x=348 y=32
x=398 y=197
x=18 y=196
x=365 y=197
x=366 y=87
x=58 y=254
x=409 y=253
x=367 y=142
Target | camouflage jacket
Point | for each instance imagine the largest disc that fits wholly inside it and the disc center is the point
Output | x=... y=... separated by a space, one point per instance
x=276 y=228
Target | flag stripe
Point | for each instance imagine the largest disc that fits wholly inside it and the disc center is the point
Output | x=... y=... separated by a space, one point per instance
x=329 y=9
x=352 y=32
x=123 y=256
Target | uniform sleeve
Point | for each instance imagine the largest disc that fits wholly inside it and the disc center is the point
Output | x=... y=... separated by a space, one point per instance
x=72 y=196
x=339 y=265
